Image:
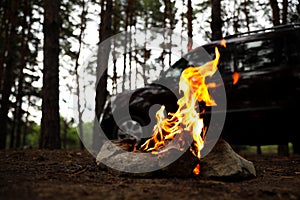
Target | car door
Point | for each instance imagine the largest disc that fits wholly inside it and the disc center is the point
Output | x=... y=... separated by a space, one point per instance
x=254 y=102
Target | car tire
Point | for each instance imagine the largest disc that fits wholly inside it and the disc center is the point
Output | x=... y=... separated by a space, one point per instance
x=129 y=128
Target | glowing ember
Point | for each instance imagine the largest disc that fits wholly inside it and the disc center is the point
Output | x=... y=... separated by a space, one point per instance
x=235 y=77
x=186 y=121
x=196 y=171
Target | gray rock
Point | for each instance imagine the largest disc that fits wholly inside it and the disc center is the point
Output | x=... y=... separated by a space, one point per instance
x=113 y=158
x=222 y=162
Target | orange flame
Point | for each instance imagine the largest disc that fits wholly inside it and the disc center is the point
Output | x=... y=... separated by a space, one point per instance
x=196 y=170
x=235 y=77
x=186 y=120
x=223 y=43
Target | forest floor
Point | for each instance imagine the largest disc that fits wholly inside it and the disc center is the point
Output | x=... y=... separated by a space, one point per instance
x=69 y=174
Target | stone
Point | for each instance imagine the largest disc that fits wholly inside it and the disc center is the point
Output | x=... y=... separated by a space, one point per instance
x=223 y=163
x=124 y=163
x=118 y=158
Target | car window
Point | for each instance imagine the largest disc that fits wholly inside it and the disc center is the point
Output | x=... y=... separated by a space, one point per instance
x=173 y=73
x=198 y=57
x=259 y=54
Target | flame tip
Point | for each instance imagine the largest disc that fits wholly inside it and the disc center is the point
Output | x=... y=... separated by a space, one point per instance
x=223 y=42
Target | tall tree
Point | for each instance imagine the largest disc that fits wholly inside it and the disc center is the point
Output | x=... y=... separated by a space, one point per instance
x=103 y=53
x=7 y=65
x=18 y=52
x=24 y=55
x=275 y=12
x=284 y=11
x=216 y=21
x=80 y=37
x=190 y=24
x=50 y=124
x=128 y=14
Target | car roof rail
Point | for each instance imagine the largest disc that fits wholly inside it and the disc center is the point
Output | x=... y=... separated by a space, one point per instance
x=275 y=28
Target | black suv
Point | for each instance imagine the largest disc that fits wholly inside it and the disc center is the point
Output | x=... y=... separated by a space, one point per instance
x=262 y=106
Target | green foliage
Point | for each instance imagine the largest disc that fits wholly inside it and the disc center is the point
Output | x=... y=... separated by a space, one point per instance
x=152 y=13
x=88 y=134
x=265 y=149
x=68 y=134
x=33 y=135
x=72 y=139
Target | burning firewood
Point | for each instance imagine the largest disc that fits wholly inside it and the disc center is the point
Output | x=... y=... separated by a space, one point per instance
x=175 y=146
x=221 y=163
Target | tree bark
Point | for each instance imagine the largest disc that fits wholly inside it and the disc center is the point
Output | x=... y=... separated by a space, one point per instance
x=275 y=12
x=50 y=124
x=24 y=55
x=190 y=24
x=171 y=23
x=284 y=11
x=3 y=30
x=9 y=61
x=216 y=21
x=80 y=112
x=127 y=23
x=101 y=90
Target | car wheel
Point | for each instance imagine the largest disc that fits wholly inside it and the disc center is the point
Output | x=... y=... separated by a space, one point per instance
x=129 y=128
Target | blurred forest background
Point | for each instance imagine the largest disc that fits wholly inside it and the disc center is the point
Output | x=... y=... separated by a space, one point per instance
x=43 y=45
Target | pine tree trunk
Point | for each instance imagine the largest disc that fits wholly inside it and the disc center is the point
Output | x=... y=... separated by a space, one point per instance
x=3 y=30
x=7 y=79
x=190 y=24
x=284 y=11
x=24 y=55
x=101 y=91
x=50 y=124
x=275 y=12
x=182 y=17
x=171 y=23
x=216 y=21
x=115 y=74
x=164 y=52
x=145 y=53
x=127 y=18
x=65 y=132
x=80 y=112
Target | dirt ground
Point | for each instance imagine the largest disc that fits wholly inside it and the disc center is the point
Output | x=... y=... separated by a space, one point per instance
x=65 y=174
